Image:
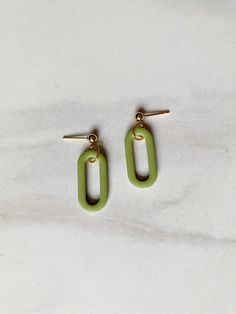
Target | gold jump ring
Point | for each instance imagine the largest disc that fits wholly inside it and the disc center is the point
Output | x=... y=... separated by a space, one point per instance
x=97 y=150
x=139 y=137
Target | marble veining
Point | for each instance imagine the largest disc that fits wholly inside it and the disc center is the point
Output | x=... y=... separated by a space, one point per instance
x=78 y=66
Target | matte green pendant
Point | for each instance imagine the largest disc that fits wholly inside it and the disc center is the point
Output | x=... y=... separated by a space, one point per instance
x=82 y=181
x=151 y=154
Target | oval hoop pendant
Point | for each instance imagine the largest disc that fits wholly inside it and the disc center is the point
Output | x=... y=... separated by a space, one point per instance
x=151 y=154
x=82 y=181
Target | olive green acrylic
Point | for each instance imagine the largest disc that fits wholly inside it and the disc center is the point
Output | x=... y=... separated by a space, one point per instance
x=83 y=196
x=130 y=159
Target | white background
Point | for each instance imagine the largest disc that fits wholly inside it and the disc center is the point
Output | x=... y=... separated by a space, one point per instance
x=75 y=66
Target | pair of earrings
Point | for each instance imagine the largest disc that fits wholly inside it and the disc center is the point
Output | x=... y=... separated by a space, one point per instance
x=137 y=132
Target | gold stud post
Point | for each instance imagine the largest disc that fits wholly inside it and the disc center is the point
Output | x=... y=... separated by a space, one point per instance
x=92 y=138
x=75 y=137
x=156 y=113
x=140 y=115
x=139 y=120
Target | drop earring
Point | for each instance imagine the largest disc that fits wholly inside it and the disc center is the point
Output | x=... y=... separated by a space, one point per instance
x=91 y=155
x=139 y=132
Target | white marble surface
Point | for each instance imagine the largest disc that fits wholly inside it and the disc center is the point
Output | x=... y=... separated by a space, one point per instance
x=72 y=66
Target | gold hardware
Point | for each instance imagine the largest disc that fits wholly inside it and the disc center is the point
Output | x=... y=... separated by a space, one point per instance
x=139 y=121
x=92 y=138
x=137 y=137
x=148 y=114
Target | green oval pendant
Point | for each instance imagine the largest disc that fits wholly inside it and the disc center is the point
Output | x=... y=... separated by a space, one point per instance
x=130 y=161
x=82 y=181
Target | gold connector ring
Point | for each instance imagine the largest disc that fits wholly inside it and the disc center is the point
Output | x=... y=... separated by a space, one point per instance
x=97 y=150
x=137 y=137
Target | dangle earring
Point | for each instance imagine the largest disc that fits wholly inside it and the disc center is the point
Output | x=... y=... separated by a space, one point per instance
x=139 y=132
x=91 y=155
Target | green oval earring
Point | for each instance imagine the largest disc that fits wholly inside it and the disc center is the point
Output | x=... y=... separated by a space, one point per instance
x=139 y=132
x=92 y=155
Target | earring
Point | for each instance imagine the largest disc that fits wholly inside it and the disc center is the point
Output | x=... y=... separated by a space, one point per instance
x=139 y=132
x=91 y=155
